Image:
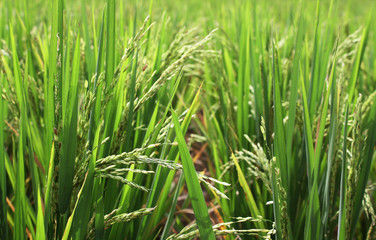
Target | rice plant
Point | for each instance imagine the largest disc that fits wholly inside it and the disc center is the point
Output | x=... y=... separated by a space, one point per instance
x=187 y=119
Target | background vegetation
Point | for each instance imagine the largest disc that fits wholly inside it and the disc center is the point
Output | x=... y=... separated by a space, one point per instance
x=182 y=119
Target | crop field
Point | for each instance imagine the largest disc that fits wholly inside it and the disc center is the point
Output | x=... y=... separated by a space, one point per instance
x=163 y=119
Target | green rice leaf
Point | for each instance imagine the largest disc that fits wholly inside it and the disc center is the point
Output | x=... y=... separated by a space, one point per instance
x=194 y=189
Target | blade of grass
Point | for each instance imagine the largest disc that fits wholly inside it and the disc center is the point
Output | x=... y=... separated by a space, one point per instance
x=312 y=94
x=89 y=56
x=40 y=232
x=127 y=143
x=332 y=90
x=110 y=47
x=20 y=208
x=312 y=226
x=358 y=59
x=49 y=90
x=279 y=147
x=94 y=115
x=342 y=207
x=3 y=177
x=250 y=199
x=48 y=189
x=292 y=101
x=279 y=129
x=99 y=213
x=109 y=117
x=69 y=136
x=193 y=185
